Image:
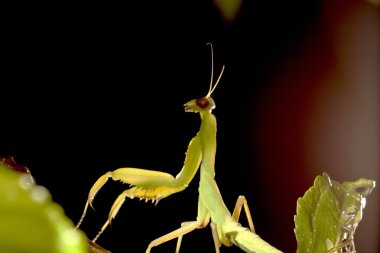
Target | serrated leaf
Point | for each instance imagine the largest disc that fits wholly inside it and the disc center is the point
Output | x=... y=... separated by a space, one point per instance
x=328 y=214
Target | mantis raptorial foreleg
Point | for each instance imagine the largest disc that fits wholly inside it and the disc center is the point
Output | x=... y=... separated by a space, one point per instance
x=147 y=184
x=132 y=176
x=131 y=193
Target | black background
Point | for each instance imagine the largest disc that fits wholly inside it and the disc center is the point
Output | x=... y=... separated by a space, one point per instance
x=89 y=88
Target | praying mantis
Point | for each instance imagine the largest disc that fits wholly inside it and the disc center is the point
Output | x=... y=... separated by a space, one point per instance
x=156 y=185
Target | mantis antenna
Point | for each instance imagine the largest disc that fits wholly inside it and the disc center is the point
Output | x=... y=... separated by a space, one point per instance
x=211 y=89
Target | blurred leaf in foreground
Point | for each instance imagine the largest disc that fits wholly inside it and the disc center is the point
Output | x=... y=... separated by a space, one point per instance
x=329 y=213
x=30 y=221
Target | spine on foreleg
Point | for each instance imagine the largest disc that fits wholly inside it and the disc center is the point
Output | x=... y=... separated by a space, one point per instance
x=246 y=240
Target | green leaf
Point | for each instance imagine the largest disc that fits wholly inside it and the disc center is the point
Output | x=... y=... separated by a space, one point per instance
x=328 y=214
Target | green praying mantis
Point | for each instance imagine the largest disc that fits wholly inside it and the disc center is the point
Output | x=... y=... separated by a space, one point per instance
x=156 y=185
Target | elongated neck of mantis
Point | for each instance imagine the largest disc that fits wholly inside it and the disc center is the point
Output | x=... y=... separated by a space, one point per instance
x=207 y=134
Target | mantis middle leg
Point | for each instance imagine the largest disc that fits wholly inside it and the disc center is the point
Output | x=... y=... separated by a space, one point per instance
x=242 y=202
x=202 y=221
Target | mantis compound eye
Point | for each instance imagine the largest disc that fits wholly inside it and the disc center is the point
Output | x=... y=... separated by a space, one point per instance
x=202 y=102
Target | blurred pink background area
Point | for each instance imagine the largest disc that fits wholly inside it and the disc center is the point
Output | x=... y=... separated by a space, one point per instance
x=321 y=114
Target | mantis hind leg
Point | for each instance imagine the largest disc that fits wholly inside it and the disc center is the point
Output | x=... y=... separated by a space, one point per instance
x=240 y=203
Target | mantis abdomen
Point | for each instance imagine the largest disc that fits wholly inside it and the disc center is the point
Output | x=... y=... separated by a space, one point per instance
x=247 y=240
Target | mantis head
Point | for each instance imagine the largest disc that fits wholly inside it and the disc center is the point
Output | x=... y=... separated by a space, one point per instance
x=200 y=104
x=205 y=103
